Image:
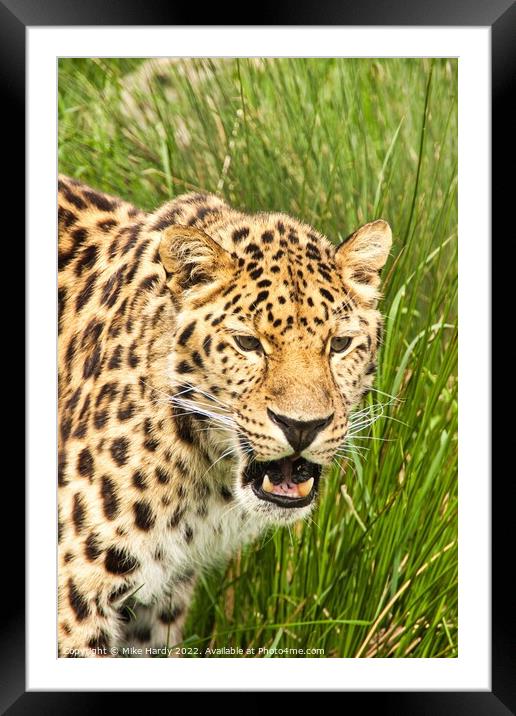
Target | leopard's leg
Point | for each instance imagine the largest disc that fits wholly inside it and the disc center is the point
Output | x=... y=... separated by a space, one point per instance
x=171 y=615
x=95 y=576
x=160 y=626
x=89 y=620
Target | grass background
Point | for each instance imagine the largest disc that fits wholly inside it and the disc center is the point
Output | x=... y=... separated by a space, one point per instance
x=336 y=142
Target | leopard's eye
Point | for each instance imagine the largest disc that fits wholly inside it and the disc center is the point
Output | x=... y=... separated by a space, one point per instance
x=339 y=344
x=248 y=343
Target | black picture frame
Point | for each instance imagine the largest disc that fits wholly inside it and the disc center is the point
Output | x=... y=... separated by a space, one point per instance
x=500 y=16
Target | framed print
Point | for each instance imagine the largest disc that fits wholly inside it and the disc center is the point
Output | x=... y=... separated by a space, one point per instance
x=256 y=428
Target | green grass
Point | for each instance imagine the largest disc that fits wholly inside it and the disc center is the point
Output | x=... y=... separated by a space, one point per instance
x=336 y=143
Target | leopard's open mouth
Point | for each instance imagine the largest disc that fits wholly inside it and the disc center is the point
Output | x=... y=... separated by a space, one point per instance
x=290 y=482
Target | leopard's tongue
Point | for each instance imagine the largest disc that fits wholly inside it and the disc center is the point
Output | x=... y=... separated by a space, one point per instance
x=287 y=488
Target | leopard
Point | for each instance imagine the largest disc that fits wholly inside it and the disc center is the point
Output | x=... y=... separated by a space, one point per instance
x=209 y=361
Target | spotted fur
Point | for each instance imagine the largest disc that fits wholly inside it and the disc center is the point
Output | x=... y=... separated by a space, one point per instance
x=160 y=410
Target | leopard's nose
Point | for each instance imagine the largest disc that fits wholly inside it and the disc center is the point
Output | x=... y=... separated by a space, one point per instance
x=299 y=433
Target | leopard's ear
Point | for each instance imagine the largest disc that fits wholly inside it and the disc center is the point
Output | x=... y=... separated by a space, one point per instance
x=191 y=257
x=361 y=256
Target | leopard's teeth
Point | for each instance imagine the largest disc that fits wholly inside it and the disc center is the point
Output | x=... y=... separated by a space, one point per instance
x=305 y=488
x=267 y=485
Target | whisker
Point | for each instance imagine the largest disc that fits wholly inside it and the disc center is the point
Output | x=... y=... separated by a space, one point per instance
x=227 y=453
x=372 y=437
x=206 y=395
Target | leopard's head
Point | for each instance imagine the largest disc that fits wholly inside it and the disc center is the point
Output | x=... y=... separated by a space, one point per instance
x=275 y=344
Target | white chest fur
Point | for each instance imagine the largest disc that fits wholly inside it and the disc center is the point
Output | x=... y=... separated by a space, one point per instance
x=197 y=542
